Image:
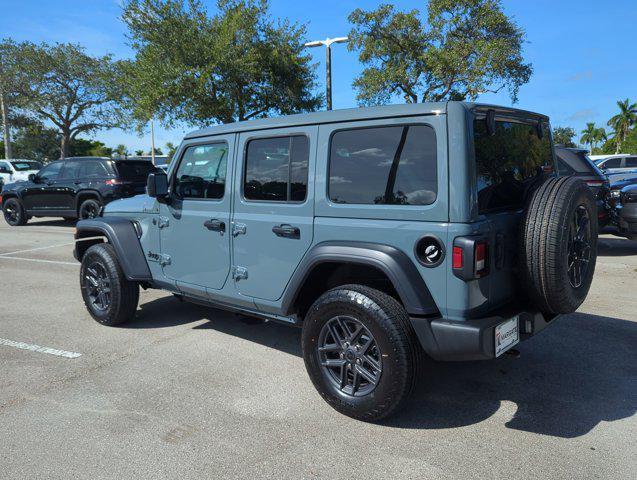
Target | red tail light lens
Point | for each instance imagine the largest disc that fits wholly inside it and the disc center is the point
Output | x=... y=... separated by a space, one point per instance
x=481 y=259
x=456 y=258
x=114 y=181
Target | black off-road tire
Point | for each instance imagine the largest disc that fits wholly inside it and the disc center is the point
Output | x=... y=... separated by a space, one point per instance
x=88 y=209
x=546 y=234
x=14 y=213
x=398 y=349
x=124 y=294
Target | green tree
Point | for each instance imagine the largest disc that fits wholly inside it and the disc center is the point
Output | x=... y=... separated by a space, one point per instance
x=623 y=121
x=171 y=148
x=459 y=50
x=121 y=151
x=33 y=140
x=592 y=135
x=236 y=65
x=81 y=147
x=139 y=153
x=12 y=82
x=74 y=91
x=564 y=136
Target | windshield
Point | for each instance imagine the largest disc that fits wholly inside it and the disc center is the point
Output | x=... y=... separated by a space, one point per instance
x=509 y=162
x=135 y=170
x=23 y=165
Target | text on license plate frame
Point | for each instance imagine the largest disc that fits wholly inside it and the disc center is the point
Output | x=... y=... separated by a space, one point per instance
x=506 y=335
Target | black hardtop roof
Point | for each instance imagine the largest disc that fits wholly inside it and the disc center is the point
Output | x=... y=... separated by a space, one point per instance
x=351 y=114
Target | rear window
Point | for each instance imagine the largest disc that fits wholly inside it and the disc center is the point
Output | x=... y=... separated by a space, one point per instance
x=509 y=162
x=135 y=170
x=631 y=162
x=384 y=166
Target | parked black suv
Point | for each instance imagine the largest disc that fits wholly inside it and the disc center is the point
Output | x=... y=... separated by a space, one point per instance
x=74 y=188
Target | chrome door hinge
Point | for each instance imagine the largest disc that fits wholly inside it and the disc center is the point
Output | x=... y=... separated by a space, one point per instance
x=238 y=229
x=239 y=273
x=163 y=222
x=164 y=260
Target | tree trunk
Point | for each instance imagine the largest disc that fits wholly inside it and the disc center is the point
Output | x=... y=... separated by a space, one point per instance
x=64 y=146
x=5 y=127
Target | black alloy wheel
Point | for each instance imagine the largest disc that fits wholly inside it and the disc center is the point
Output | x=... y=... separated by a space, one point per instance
x=98 y=286
x=89 y=209
x=349 y=356
x=579 y=246
x=13 y=212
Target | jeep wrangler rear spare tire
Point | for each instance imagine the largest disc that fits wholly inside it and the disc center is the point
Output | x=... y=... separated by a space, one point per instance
x=360 y=351
x=108 y=295
x=559 y=244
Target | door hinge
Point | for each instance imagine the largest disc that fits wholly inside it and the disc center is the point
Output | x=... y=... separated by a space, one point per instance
x=164 y=260
x=239 y=273
x=238 y=229
x=163 y=222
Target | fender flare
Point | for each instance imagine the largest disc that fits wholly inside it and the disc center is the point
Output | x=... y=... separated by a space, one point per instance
x=394 y=263
x=121 y=234
x=82 y=195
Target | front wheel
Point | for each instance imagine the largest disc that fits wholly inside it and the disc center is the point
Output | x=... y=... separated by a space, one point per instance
x=14 y=213
x=360 y=351
x=109 y=297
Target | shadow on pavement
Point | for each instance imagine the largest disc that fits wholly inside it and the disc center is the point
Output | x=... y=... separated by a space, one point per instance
x=577 y=373
x=616 y=247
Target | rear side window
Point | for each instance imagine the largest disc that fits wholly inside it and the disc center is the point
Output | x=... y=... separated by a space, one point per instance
x=95 y=169
x=202 y=172
x=509 y=162
x=631 y=162
x=71 y=170
x=135 y=170
x=276 y=169
x=384 y=165
x=612 y=163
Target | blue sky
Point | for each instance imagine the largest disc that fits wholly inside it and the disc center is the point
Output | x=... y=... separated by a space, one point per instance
x=582 y=51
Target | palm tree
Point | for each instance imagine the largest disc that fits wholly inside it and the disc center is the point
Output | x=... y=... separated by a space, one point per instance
x=623 y=121
x=592 y=135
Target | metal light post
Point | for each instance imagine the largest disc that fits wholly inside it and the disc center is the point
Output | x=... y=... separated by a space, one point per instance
x=328 y=62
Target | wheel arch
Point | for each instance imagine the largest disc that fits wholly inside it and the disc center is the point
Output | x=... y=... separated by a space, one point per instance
x=86 y=194
x=121 y=234
x=330 y=264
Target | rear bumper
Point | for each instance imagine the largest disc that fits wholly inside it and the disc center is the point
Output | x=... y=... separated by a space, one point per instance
x=473 y=339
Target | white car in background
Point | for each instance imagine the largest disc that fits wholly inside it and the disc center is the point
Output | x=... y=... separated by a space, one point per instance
x=16 y=170
x=615 y=163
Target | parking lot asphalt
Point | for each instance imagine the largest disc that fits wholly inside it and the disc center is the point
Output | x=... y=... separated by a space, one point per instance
x=189 y=392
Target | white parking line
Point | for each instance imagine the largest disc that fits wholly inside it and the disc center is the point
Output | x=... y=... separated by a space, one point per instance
x=39 y=349
x=37 y=260
x=37 y=248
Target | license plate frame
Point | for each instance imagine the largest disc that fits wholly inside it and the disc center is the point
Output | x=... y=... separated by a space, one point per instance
x=506 y=335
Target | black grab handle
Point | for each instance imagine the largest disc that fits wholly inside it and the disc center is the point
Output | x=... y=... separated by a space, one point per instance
x=215 y=225
x=287 y=231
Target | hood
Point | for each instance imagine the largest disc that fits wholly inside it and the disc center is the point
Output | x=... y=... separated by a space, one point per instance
x=22 y=176
x=137 y=204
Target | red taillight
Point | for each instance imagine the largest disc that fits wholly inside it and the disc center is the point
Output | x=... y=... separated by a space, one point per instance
x=481 y=260
x=114 y=181
x=456 y=258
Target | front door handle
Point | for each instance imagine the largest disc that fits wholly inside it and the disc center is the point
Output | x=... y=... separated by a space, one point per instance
x=287 y=231
x=215 y=225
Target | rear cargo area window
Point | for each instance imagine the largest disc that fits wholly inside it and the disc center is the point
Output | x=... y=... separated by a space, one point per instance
x=384 y=166
x=509 y=162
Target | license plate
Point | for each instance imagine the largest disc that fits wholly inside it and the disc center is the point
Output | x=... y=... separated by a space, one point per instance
x=507 y=334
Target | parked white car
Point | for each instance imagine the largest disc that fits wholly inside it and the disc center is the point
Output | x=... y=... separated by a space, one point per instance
x=16 y=170
x=615 y=163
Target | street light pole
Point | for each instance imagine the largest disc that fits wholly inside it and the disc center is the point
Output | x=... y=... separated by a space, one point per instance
x=328 y=63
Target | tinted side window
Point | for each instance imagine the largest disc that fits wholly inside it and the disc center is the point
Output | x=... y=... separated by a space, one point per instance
x=202 y=172
x=50 y=172
x=276 y=169
x=95 y=169
x=71 y=170
x=384 y=165
x=612 y=163
x=631 y=162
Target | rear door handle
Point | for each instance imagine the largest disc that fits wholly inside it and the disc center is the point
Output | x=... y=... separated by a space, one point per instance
x=215 y=225
x=287 y=231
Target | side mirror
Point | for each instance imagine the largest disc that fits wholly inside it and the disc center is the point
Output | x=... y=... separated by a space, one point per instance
x=157 y=186
x=33 y=178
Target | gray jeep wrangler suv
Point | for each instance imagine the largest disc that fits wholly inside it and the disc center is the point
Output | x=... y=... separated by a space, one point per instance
x=384 y=232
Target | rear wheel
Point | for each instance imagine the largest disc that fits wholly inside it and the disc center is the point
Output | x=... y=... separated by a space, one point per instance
x=360 y=351
x=90 y=208
x=14 y=213
x=109 y=297
x=559 y=244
